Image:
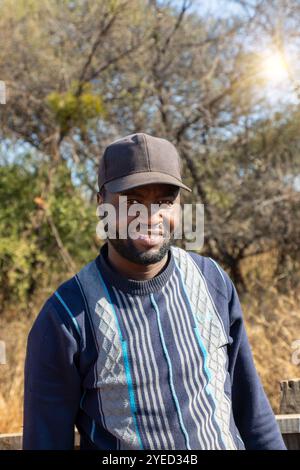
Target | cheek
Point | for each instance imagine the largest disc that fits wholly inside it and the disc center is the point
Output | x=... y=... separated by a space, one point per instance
x=171 y=218
x=123 y=220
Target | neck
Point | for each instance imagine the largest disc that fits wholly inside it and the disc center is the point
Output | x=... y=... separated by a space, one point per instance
x=132 y=270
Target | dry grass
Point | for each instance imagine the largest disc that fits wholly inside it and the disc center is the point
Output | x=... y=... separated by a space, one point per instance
x=15 y=326
x=11 y=380
x=272 y=323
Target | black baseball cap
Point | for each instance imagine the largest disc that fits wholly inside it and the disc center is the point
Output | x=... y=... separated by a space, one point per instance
x=139 y=159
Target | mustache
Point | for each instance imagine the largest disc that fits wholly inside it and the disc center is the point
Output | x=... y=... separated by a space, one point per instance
x=159 y=229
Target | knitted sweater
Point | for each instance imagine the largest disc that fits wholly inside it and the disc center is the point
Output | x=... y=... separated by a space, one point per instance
x=158 y=364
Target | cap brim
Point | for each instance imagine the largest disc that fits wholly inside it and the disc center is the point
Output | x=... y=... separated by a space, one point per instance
x=141 y=179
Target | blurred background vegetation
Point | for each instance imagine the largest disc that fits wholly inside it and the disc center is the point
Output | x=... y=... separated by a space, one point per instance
x=217 y=78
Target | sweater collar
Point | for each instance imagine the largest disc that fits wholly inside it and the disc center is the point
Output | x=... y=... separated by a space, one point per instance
x=133 y=286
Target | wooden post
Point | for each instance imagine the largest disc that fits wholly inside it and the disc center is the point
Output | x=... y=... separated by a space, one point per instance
x=289 y=419
x=290 y=396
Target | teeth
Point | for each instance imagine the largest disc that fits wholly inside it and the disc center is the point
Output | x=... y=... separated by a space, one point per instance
x=155 y=230
x=153 y=235
x=150 y=235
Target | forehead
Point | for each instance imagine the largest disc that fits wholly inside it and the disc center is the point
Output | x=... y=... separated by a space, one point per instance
x=153 y=189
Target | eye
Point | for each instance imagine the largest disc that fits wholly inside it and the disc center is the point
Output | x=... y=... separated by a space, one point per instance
x=167 y=202
x=131 y=201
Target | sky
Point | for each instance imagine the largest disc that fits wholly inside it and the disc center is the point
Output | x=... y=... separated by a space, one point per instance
x=217 y=8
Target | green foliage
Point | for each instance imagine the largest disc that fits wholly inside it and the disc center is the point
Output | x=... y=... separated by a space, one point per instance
x=29 y=253
x=17 y=190
x=21 y=265
x=75 y=110
x=75 y=219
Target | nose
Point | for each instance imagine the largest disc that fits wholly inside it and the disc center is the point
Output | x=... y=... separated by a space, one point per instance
x=154 y=220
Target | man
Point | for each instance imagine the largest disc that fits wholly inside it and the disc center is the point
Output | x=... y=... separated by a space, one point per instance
x=145 y=347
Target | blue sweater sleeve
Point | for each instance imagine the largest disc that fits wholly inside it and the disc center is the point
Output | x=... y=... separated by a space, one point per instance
x=251 y=409
x=51 y=383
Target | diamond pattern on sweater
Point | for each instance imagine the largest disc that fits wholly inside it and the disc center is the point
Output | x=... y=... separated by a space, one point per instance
x=213 y=337
x=111 y=377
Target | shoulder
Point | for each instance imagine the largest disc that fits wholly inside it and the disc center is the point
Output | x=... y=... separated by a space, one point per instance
x=214 y=275
x=220 y=285
x=64 y=310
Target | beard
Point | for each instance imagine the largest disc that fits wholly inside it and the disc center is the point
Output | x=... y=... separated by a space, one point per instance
x=129 y=251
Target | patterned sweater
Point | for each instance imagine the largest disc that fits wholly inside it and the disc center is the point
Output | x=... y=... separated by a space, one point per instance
x=158 y=364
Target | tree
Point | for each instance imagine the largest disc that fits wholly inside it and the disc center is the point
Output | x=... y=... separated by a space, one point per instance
x=83 y=73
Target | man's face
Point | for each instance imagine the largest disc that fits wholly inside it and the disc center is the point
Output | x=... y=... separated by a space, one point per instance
x=157 y=228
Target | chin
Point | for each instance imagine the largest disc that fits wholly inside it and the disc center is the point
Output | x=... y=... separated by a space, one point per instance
x=138 y=253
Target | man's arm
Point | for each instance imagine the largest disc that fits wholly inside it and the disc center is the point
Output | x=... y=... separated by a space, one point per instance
x=52 y=383
x=252 y=411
